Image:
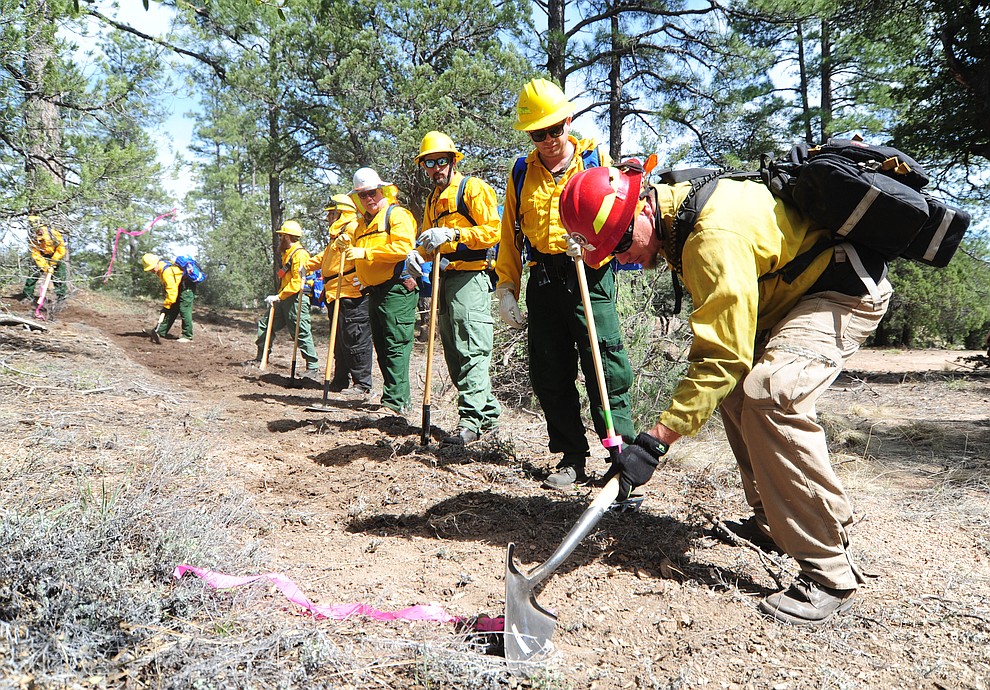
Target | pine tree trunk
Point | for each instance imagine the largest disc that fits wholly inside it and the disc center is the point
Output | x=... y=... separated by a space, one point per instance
x=43 y=124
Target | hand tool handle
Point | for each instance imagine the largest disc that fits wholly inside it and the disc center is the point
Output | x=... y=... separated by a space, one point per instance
x=435 y=291
x=612 y=440
x=333 y=330
x=268 y=337
x=300 y=296
x=589 y=518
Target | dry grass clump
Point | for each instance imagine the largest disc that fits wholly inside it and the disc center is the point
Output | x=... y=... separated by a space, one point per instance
x=93 y=523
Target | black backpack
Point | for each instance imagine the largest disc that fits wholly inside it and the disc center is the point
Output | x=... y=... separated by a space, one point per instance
x=870 y=196
x=867 y=195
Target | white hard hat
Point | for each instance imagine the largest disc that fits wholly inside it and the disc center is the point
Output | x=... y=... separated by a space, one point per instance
x=366 y=179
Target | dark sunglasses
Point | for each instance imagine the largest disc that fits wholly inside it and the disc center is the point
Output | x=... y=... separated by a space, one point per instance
x=436 y=162
x=370 y=194
x=539 y=135
x=625 y=242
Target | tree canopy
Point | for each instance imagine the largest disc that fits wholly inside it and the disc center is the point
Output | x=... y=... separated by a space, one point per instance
x=294 y=96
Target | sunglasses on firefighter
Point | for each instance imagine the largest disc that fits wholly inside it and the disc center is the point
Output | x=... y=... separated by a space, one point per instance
x=625 y=242
x=369 y=194
x=539 y=135
x=436 y=162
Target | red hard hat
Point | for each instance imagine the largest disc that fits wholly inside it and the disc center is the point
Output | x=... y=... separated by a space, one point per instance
x=598 y=205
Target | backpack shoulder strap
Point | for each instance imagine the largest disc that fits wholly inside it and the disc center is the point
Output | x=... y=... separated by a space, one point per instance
x=388 y=219
x=462 y=207
x=518 y=176
x=592 y=158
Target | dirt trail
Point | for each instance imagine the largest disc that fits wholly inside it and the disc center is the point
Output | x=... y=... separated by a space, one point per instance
x=358 y=511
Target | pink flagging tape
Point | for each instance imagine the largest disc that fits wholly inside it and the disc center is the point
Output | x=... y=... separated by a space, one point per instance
x=131 y=233
x=338 y=612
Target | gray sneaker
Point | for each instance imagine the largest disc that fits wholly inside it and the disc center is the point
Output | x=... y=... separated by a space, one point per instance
x=462 y=438
x=562 y=479
x=808 y=603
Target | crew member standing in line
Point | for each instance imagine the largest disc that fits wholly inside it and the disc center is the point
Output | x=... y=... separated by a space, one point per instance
x=460 y=223
x=385 y=234
x=558 y=334
x=352 y=347
x=294 y=257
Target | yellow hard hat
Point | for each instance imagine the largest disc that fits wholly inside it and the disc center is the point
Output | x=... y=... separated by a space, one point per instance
x=541 y=104
x=340 y=202
x=437 y=142
x=150 y=261
x=291 y=228
x=34 y=220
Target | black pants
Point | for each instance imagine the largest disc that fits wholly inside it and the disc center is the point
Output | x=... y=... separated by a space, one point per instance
x=352 y=351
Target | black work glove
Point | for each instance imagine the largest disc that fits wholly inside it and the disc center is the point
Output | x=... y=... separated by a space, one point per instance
x=637 y=461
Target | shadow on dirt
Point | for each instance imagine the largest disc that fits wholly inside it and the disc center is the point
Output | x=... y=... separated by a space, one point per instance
x=638 y=542
x=344 y=455
x=217 y=319
x=299 y=401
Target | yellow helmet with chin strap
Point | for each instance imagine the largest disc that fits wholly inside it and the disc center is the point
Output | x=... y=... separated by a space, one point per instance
x=150 y=262
x=437 y=142
x=340 y=202
x=541 y=104
x=290 y=228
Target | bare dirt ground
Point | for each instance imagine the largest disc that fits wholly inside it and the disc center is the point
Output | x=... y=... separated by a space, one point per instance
x=363 y=513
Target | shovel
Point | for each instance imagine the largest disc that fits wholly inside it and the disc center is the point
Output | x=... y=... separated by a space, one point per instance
x=529 y=626
x=44 y=292
x=155 y=337
x=333 y=341
x=300 y=296
x=268 y=338
x=424 y=437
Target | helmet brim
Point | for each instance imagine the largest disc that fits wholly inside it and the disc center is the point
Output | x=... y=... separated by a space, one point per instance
x=559 y=115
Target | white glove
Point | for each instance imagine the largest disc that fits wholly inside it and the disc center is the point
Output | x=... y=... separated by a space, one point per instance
x=432 y=239
x=574 y=248
x=272 y=299
x=508 y=307
x=414 y=264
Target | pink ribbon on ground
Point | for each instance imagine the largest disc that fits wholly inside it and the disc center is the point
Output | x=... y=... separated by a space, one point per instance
x=338 y=612
x=134 y=233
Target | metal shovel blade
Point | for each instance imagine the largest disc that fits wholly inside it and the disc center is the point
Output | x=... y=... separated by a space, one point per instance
x=529 y=626
x=155 y=338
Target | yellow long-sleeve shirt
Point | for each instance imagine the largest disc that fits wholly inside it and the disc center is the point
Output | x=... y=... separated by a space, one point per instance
x=328 y=261
x=47 y=249
x=482 y=205
x=742 y=234
x=171 y=277
x=291 y=282
x=386 y=246
x=539 y=212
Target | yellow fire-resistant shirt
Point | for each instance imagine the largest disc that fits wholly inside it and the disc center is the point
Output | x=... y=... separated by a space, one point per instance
x=482 y=205
x=539 y=212
x=386 y=246
x=47 y=249
x=291 y=282
x=328 y=261
x=171 y=277
x=742 y=234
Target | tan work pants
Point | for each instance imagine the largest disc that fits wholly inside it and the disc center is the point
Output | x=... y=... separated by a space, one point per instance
x=771 y=423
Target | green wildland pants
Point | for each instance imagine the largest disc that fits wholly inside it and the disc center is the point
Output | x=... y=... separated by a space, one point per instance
x=285 y=316
x=183 y=307
x=558 y=340
x=464 y=316
x=392 y=308
x=59 y=281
